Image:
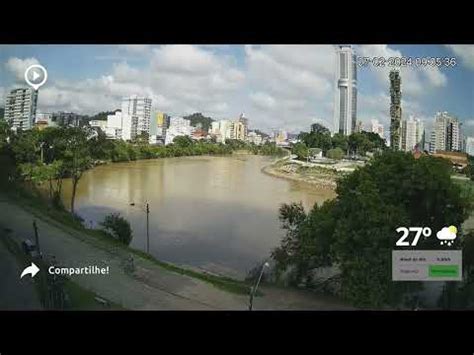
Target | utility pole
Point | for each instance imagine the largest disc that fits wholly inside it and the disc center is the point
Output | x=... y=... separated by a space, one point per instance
x=147 y=228
x=35 y=227
x=253 y=290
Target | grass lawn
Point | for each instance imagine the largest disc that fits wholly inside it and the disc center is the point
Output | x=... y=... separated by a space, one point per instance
x=82 y=299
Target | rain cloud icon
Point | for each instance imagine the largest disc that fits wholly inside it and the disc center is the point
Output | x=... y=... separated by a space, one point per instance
x=447 y=235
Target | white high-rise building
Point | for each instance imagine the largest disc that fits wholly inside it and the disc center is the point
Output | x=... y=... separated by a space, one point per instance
x=377 y=127
x=470 y=145
x=178 y=127
x=136 y=116
x=345 y=104
x=114 y=127
x=20 y=108
x=447 y=133
x=412 y=131
x=254 y=138
x=222 y=130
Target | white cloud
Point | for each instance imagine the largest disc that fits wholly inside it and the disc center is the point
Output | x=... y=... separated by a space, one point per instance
x=277 y=86
x=18 y=66
x=465 y=52
x=291 y=85
x=136 y=48
x=179 y=79
x=263 y=100
x=416 y=81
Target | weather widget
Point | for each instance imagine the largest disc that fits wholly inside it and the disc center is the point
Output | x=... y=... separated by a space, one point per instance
x=426 y=265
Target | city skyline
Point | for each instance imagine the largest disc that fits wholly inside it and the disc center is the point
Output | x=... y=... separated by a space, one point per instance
x=277 y=86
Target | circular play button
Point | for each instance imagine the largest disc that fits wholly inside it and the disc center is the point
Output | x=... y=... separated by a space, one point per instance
x=36 y=75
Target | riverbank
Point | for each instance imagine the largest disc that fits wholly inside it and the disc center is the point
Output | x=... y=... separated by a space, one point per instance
x=316 y=176
x=63 y=219
x=154 y=285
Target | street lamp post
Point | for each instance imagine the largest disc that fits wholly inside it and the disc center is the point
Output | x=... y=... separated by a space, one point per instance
x=253 y=290
x=147 y=211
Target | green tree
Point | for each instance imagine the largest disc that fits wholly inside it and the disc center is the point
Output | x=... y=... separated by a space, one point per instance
x=336 y=153
x=5 y=133
x=183 y=141
x=26 y=146
x=319 y=128
x=100 y=147
x=142 y=139
x=76 y=156
x=118 y=227
x=357 y=143
x=356 y=231
x=340 y=141
x=199 y=119
x=469 y=170
x=320 y=140
x=300 y=150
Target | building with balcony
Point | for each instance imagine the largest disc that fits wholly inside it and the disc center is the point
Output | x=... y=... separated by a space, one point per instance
x=412 y=134
x=20 y=108
x=178 y=127
x=136 y=117
x=446 y=134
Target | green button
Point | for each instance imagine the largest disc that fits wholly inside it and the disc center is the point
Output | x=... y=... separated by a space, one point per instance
x=444 y=270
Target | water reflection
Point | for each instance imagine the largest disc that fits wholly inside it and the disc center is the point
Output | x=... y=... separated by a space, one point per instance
x=218 y=213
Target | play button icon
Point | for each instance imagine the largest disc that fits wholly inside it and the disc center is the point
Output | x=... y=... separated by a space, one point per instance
x=36 y=75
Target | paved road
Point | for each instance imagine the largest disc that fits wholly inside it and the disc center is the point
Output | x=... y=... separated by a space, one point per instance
x=151 y=287
x=15 y=294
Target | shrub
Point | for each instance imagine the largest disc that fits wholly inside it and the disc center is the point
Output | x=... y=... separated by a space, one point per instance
x=336 y=153
x=118 y=227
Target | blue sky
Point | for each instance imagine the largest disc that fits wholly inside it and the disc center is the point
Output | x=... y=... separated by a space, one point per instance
x=286 y=87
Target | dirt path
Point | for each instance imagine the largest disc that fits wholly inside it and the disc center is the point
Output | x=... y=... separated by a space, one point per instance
x=152 y=287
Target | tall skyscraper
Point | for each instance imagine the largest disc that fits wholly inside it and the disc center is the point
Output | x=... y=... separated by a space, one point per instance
x=20 y=108
x=345 y=104
x=136 y=116
x=395 y=109
x=412 y=134
x=447 y=133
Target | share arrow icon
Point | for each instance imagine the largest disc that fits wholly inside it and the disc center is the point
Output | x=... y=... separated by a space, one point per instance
x=32 y=269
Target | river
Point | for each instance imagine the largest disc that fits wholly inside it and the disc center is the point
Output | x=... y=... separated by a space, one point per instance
x=217 y=213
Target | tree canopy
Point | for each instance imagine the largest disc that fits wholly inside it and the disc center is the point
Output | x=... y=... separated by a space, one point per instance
x=319 y=128
x=356 y=231
x=199 y=119
x=118 y=227
x=356 y=143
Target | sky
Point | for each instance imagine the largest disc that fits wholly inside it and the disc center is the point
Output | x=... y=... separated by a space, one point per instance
x=276 y=86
